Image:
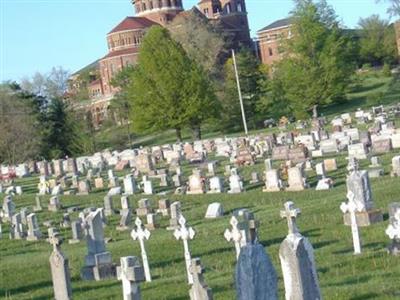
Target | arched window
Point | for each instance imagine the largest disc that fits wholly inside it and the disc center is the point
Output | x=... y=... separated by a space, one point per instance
x=169 y=3
x=144 y=6
x=239 y=7
x=159 y=3
x=151 y=4
x=270 y=52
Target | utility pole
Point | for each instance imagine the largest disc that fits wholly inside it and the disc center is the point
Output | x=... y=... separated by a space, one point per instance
x=239 y=92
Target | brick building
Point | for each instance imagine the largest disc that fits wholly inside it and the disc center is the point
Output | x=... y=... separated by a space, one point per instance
x=270 y=39
x=124 y=40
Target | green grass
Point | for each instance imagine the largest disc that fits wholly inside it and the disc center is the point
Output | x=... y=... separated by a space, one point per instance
x=25 y=271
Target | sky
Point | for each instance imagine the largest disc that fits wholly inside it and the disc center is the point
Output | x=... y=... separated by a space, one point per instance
x=36 y=35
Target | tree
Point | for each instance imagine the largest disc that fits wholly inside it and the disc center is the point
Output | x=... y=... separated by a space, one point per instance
x=207 y=44
x=168 y=90
x=318 y=62
x=253 y=78
x=378 y=41
x=394 y=8
x=19 y=137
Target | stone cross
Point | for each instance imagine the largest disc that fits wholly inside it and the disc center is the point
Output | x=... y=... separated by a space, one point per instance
x=351 y=208
x=59 y=270
x=141 y=235
x=199 y=290
x=234 y=235
x=185 y=233
x=291 y=213
x=130 y=273
x=393 y=231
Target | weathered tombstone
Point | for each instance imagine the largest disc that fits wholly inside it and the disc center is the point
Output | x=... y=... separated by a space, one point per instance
x=142 y=234
x=98 y=262
x=214 y=210
x=196 y=183
x=54 y=204
x=199 y=290
x=175 y=214
x=147 y=187
x=8 y=208
x=99 y=183
x=393 y=231
x=254 y=178
x=216 y=186
x=268 y=164
x=126 y=219
x=357 y=151
x=330 y=164
x=17 y=230
x=59 y=270
x=297 y=260
x=351 y=208
x=255 y=276
x=130 y=273
x=164 y=180
x=381 y=145
x=34 y=233
x=144 y=208
x=395 y=166
x=164 y=207
x=77 y=233
x=211 y=169
x=144 y=164
x=177 y=180
x=235 y=182
x=84 y=187
x=185 y=234
x=296 y=180
x=129 y=185
x=108 y=206
x=43 y=186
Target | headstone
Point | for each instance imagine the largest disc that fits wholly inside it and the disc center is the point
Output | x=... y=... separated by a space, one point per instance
x=129 y=185
x=268 y=164
x=393 y=231
x=297 y=260
x=99 y=183
x=144 y=208
x=214 y=210
x=255 y=276
x=199 y=289
x=77 y=233
x=211 y=168
x=395 y=166
x=38 y=207
x=147 y=187
x=351 y=208
x=130 y=273
x=175 y=214
x=216 y=186
x=108 y=206
x=357 y=151
x=185 y=234
x=235 y=183
x=254 y=178
x=59 y=270
x=152 y=221
x=381 y=146
x=54 y=204
x=17 y=230
x=34 y=233
x=272 y=181
x=142 y=234
x=196 y=183
x=84 y=187
x=296 y=180
x=8 y=208
x=164 y=207
x=125 y=221
x=330 y=165
x=98 y=262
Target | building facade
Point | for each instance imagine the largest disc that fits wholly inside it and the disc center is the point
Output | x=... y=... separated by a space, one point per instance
x=124 y=40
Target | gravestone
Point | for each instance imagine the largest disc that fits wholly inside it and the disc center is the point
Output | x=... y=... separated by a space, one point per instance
x=8 y=208
x=98 y=262
x=129 y=185
x=185 y=234
x=177 y=180
x=126 y=219
x=199 y=290
x=330 y=164
x=216 y=185
x=280 y=153
x=99 y=183
x=130 y=273
x=214 y=210
x=59 y=270
x=175 y=214
x=164 y=180
x=17 y=230
x=142 y=234
x=144 y=208
x=147 y=187
x=393 y=231
x=144 y=164
x=268 y=164
x=152 y=221
x=350 y=208
x=34 y=233
x=395 y=166
x=108 y=206
x=296 y=180
x=297 y=260
x=254 y=178
x=84 y=187
x=54 y=204
x=255 y=276
x=196 y=183
x=272 y=181
x=211 y=168
x=38 y=204
x=77 y=233
x=357 y=151
x=381 y=146
x=235 y=182
x=164 y=207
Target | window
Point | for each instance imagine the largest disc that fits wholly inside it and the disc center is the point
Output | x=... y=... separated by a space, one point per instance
x=169 y=3
x=159 y=3
x=239 y=7
x=151 y=4
x=206 y=11
x=144 y=6
x=271 y=53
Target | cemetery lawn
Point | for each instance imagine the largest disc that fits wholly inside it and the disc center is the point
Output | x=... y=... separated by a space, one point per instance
x=25 y=270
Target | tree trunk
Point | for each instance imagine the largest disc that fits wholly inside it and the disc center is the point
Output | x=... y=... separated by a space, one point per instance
x=178 y=135
x=196 y=132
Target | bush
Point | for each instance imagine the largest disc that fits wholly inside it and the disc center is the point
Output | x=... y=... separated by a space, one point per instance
x=375 y=98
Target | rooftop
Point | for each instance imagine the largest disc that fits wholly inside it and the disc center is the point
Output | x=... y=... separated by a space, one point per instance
x=277 y=24
x=130 y=23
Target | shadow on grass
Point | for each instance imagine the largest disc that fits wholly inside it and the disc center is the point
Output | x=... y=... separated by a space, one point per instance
x=365 y=296
x=319 y=245
x=26 y=289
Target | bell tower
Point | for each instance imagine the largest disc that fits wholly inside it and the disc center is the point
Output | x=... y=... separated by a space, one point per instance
x=159 y=11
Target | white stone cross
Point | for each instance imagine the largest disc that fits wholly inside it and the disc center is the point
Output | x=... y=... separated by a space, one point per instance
x=351 y=208
x=393 y=230
x=234 y=235
x=184 y=233
x=142 y=234
x=291 y=213
x=130 y=273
